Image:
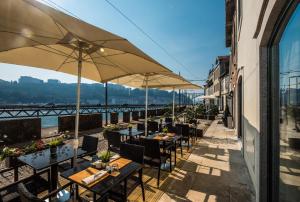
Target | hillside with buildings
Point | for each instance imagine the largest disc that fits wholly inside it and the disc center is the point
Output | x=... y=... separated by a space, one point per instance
x=28 y=90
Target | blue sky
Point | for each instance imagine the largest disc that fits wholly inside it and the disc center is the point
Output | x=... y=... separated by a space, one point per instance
x=193 y=31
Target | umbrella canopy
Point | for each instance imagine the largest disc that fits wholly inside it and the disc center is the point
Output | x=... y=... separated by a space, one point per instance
x=33 y=34
x=37 y=35
x=153 y=80
x=165 y=81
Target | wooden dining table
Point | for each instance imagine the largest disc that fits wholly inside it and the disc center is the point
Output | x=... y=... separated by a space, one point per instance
x=104 y=184
x=41 y=160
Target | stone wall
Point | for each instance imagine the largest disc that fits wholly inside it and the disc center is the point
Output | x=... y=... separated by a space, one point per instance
x=86 y=122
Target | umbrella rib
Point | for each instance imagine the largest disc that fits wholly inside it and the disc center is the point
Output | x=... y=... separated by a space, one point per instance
x=36 y=35
x=115 y=65
x=61 y=54
x=42 y=45
x=65 y=60
x=57 y=25
x=97 y=68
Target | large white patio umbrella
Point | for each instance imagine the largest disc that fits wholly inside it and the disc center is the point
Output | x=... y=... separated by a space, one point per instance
x=33 y=34
x=152 y=80
x=189 y=86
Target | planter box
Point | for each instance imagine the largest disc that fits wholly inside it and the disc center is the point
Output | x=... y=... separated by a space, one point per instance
x=114 y=117
x=20 y=130
x=86 y=122
x=12 y=162
x=126 y=117
x=135 y=115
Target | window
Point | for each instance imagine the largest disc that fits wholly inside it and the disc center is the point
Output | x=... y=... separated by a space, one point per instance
x=289 y=110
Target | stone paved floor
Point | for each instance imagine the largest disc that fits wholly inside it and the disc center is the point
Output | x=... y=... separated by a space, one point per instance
x=215 y=171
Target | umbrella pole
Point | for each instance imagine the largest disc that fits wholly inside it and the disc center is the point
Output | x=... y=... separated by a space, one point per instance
x=106 y=103
x=173 y=108
x=146 y=108
x=76 y=141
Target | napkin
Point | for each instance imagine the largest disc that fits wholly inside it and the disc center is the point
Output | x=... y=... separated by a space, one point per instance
x=165 y=137
x=93 y=178
x=114 y=157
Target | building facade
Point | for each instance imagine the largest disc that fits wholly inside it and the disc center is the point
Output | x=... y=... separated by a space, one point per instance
x=217 y=84
x=264 y=38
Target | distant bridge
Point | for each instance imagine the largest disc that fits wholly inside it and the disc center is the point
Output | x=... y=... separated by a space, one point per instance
x=23 y=111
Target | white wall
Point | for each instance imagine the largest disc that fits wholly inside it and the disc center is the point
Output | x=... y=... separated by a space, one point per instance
x=248 y=61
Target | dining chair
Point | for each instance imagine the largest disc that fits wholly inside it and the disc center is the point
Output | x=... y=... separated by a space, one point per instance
x=114 y=141
x=153 y=156
x=184 y=131
x=136 y=154
x=168 y=120
x=141 y=126
x=90 y=145
x=26 y=196
x=153 y=126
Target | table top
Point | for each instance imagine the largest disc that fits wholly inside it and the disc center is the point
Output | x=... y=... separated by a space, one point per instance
x=108 y=182
x=134 y=132
x=42 y=159
x=170 y=138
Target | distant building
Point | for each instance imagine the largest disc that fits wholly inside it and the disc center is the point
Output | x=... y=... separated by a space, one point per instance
x=217 y=84
x=28 y=79
x=53 y=81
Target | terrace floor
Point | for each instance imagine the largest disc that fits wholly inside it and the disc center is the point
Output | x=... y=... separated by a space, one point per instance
x=214 y=171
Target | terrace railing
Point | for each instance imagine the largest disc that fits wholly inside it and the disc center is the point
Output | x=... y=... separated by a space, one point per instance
x=24 y=111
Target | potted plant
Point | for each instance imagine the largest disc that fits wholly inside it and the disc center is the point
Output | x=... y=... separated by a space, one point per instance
x=165 y=130
x=105 y=158
x=108 y=128
x=10 y=156
x=130 y=128
x=53 y=144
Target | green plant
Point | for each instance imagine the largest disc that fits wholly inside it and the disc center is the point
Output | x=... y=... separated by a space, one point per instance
x=56 y=141
x=10 y=152
x=200 y=110
x=165 y=130
x=213 y=110
x=112 y=127
x=104 y=156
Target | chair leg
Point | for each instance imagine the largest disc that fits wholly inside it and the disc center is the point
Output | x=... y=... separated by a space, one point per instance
x=170 y=160
x=181 y=148
x=175 y=148
x=142 y=184
x=158 y=177
x=125 y=190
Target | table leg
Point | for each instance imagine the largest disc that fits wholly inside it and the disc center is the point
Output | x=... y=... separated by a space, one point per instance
x=54 y=177
x=16 y=173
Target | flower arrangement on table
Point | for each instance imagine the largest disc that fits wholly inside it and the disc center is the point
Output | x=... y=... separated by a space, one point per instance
x=9 y=155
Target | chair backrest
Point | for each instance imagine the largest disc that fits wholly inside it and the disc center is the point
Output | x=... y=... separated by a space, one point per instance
x=152 y=148
x=152 y=126
x=113 y=139
x=141 y=126
x=168 y=120
x=90 y=143
x=25 y=195
x=183 y=129
x=172 y=129
x=132 y=152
